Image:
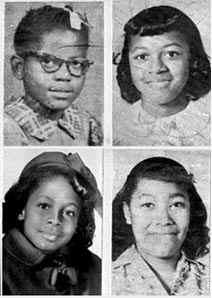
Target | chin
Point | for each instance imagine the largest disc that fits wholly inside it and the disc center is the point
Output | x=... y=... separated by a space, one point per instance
x=165 y=254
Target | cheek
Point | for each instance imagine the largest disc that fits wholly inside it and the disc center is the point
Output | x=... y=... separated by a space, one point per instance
x=79 y=84
x=138 y=78
x=34 y=78
x=182 y=219
x=140 y=221
x=69 y=229
x=180 y=70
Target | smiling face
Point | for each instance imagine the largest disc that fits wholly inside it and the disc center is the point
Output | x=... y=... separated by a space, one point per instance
x=51 y=214
x=159 y=66
x=56 y=90
x=159 y=213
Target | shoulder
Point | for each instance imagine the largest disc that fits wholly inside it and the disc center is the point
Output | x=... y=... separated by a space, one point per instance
x=199 y=269
x=94 y=127
x=125 y=119
x=94 y=260
x=13 y=134
x=89 y=125
x=123 y=261
x=90 y=269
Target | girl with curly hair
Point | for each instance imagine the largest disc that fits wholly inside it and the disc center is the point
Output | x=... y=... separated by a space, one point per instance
x=159 y=232
x=48 y=223
x=162 y=73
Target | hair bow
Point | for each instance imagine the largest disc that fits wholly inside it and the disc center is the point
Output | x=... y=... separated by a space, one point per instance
x=78 y=165
x=76 y=19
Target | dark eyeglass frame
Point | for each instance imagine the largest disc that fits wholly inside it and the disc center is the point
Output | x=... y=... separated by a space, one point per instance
x=84 y=63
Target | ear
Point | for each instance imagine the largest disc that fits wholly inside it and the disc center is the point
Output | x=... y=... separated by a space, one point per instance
x=17 y=65
x=21 y=215
x=126 y=211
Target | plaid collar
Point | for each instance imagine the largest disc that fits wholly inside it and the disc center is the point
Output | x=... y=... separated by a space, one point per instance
x=42 y=128
x=134 y=265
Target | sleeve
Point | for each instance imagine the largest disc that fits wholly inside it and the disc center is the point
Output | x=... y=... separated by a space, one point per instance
x=13 y=135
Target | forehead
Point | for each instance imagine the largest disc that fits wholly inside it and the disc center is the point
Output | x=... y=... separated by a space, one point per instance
x=64 y=42
x=157 y=188
x=58 y=189
x=158 y=41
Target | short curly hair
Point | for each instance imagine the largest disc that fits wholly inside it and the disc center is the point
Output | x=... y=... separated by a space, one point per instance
x=18 y=195
x=158 y=20
x=39 y=21
x=168 y=170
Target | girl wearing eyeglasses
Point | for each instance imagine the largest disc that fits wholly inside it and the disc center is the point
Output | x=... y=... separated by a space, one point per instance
x=51 y=45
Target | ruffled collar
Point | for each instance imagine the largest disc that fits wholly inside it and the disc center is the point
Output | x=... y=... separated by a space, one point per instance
x=179 y=128
x=36 y=125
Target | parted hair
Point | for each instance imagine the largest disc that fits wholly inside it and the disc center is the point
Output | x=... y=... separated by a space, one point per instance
x=158 y=20
x=168 y=170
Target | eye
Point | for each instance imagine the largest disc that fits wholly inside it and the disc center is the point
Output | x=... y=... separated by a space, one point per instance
x=178 y=205
x=70 y=213
x=76 y=63
x=173 y=54
x=48 y=62
x=44 y=206
x=148 y=205
x=141 y=57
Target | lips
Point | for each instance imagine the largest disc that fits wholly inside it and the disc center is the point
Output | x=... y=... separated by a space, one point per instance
x=164 y=233
x=60 y=90
x=163 y=79
x=50 y=236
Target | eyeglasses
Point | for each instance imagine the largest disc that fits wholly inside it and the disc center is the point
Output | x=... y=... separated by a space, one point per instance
x=76 y=67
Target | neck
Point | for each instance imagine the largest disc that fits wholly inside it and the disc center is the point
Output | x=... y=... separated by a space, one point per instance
x=164 y=266
x=40 y=109
x=163 y=110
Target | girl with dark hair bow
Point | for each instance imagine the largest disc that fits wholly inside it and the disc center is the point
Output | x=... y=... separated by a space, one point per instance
x=48 y=223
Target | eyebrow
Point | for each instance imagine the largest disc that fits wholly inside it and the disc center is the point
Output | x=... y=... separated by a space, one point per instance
x=69 y=204
x=177 y=194
x=171 y=196
x=143 y=194
x=165 y=46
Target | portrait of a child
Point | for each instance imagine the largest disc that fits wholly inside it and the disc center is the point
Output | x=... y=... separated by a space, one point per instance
x=50 y=60
x=163 y=76
x=48 y=226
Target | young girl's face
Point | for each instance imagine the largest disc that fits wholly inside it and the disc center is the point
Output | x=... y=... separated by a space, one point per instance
x=159 y=213
x=159 y=66
x=51 y=214
x=55 y=90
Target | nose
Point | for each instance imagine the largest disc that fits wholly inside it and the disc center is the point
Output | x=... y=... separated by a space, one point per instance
x=54 y=218
x=157 y=65
x=62 y=74
x=162 y=217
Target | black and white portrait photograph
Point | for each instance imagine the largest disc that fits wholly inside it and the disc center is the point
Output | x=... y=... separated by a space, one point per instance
x=161 y=220
x=52 y=213
x=161 y=73
x=54 y=74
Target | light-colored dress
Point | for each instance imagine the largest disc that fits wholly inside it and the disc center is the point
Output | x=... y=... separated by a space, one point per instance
x=133 y=276
x=132 y=126
x=23 y=126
